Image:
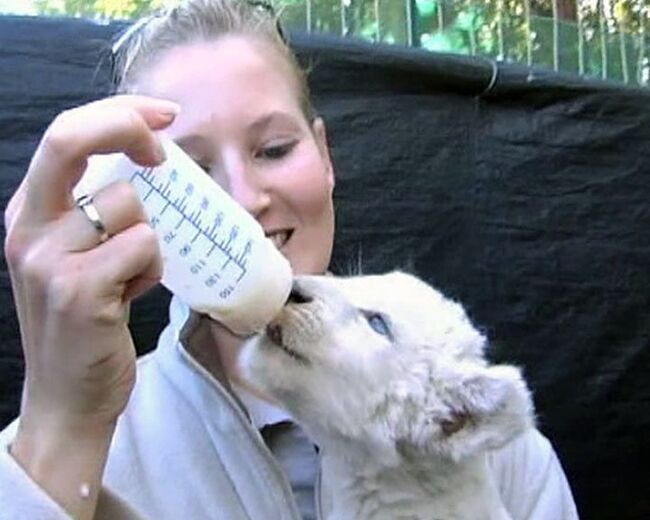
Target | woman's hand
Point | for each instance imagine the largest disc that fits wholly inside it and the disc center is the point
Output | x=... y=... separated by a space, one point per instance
x=72 y=293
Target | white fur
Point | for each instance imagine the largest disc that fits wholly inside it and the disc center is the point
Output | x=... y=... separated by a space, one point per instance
x=403 y=421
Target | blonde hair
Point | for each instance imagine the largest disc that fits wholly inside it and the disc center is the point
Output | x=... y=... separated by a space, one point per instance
x=201 y=21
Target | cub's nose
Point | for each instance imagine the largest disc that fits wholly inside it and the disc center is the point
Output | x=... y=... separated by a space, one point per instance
x=298 y=294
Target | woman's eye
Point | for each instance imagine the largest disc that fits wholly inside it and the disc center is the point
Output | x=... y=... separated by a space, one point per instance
x=378 y=323
x=276 y=151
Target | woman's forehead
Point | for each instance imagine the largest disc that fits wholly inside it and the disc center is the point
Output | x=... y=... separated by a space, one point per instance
x=230 y=63
x=233 y=79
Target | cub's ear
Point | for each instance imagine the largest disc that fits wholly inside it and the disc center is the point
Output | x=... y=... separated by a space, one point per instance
x=468 y=409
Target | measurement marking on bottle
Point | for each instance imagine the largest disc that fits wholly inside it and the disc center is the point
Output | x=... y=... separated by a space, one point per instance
x=210 y=232
x=147 y=195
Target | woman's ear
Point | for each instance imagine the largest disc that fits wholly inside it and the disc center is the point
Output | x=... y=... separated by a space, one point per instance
x=320 y=135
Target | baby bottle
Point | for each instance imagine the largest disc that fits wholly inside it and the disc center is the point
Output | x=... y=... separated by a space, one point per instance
x=215 y=254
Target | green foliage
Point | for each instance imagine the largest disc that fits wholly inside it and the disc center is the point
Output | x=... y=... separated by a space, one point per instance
x=599 y=37
x=119 y=9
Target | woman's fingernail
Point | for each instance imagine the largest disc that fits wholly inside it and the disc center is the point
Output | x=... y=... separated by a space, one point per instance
x=169 y=109
x=159 y=153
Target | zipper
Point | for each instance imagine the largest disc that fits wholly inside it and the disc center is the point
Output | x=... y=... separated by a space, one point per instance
x=245 y=420
x=318 y=489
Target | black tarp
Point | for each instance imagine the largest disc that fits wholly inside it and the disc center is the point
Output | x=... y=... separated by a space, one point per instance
x=520 y=192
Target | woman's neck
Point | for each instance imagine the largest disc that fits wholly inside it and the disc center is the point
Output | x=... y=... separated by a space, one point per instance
x=227 y=346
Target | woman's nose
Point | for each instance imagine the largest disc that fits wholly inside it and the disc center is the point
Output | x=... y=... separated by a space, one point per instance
x=248 y=190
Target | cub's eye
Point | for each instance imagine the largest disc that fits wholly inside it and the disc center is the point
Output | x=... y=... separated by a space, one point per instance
x=275 y=151
x=378 y=323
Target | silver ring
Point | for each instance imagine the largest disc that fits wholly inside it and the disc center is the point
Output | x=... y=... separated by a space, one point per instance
x=85 y=203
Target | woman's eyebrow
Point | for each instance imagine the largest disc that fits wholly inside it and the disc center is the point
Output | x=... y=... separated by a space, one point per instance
x=275 y=117
x=195 y=145
x=187 y=141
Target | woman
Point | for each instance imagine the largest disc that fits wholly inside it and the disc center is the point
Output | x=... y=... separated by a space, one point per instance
x=189 y=438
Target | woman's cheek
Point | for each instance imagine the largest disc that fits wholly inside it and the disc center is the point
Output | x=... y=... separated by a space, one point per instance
x=307 y=184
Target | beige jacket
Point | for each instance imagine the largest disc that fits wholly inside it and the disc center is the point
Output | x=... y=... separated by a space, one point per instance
x=186 y=449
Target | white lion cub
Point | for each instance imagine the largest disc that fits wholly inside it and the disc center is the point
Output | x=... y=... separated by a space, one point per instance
x=388 y=378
